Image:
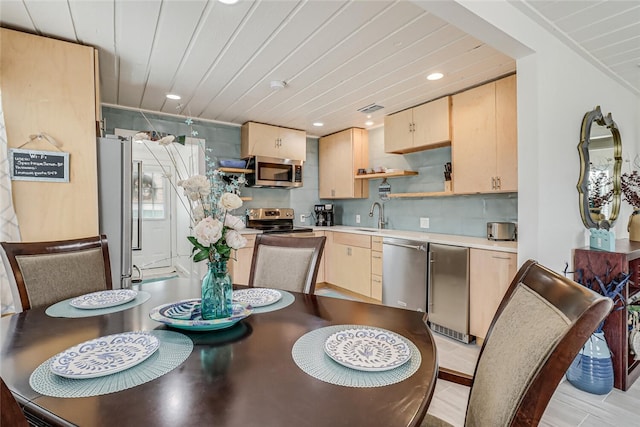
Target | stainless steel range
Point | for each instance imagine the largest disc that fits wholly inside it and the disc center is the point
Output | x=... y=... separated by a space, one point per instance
x=274 y=220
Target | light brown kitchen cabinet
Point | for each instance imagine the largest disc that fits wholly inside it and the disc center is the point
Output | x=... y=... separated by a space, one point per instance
x=340 y=155
x=240 y=263
x=51 y=86
x=491 y=273
x=376 y=268
x=419 y=128
x=484 y=138
x=258 y=139
x=351 y=262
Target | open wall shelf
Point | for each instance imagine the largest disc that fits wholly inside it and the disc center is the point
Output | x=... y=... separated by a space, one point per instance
x=386 y=174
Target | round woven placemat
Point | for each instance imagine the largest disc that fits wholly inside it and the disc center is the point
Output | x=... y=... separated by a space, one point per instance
x=308 y=353
x=174 y=349
x=64 y=309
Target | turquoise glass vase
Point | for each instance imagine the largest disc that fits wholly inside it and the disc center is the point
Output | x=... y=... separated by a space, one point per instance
x=592 y=369
x=217 y=292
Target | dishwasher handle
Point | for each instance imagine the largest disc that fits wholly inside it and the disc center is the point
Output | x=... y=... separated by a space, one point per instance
x=422 y=247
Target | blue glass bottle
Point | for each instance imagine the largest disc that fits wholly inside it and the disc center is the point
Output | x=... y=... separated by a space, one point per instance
x=592 y=369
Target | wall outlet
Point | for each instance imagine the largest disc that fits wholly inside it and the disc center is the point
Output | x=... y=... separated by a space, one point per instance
x=357 y=219
x=303 y=218
x=424 y=222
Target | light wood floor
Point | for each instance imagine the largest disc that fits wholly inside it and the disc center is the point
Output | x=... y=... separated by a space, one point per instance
x=569 y=407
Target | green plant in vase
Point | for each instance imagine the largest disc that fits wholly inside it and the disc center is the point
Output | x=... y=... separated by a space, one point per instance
x=216 y=234
x=592 y=369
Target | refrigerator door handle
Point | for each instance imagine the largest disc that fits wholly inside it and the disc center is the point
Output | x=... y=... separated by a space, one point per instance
x=430 y=283
x=138 y=246
x=126 y=237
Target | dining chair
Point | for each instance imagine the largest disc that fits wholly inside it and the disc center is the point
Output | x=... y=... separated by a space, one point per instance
x=10 y=412
x=284 y=262
x=48 y=272
x=541 y=324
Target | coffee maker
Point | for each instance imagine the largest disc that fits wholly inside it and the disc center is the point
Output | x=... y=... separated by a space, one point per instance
x=324 y=215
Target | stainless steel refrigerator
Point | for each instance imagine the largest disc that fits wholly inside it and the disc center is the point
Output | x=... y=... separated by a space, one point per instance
x=114 y=198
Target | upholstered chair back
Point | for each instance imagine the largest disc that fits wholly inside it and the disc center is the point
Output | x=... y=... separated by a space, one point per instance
x=48 y=272
x=539 y=328
x=284 y=262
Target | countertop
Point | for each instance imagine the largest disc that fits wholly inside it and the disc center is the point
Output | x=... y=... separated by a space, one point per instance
x=445 y=239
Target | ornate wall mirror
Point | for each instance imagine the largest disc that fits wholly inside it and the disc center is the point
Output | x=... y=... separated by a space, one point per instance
x=600 y=151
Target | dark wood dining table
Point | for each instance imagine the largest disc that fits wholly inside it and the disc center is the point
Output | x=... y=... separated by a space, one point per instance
x=256 y=383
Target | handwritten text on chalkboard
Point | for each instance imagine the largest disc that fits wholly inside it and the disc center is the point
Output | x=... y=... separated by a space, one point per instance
x=32 y=165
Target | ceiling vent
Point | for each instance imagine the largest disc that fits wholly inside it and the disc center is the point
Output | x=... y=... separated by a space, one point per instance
x=370 y=108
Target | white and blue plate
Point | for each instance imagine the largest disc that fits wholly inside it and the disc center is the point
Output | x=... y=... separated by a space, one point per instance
x=103 y=299
x=368 y=349
x=105 y=355
x=257 y=297
x=186 y=315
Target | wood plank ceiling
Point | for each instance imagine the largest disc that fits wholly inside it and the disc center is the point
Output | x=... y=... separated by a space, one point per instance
x=604 y=31
x=335 y=56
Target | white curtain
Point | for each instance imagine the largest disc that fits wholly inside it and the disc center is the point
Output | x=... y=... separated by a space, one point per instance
x=9 y=230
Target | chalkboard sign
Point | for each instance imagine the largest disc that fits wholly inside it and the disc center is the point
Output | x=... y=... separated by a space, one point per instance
x=32 y=165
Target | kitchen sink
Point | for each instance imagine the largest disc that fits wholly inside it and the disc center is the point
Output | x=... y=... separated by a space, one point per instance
x=375 y=230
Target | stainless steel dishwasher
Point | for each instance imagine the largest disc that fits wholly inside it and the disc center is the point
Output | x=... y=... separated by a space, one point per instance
x=404 y=273
x=449 y=291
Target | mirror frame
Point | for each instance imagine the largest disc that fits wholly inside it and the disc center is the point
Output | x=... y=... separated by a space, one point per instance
x=583 y=182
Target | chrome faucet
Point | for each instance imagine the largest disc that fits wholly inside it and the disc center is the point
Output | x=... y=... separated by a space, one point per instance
x=381 y=221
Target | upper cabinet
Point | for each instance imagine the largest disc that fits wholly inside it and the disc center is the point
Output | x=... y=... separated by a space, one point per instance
x=259 y=139
x=419 y=128
x=485 y=140
x=340 y=155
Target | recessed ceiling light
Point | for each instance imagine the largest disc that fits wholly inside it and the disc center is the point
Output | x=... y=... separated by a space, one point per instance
x=277 y=84
x=228 y=1
x=368 y=123
x=173 y=96
x=318 y=124
x=435 y=76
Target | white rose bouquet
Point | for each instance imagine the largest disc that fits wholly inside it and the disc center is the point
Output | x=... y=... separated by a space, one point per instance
x=210 y=199
x=217 y=232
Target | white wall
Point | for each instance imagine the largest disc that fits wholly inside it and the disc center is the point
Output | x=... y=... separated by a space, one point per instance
x=556 y=87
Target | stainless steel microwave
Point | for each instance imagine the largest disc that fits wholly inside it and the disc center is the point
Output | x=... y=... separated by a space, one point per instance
x=272 y=172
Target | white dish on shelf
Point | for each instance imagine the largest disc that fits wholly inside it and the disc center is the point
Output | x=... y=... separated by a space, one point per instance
x=105 y=355
x=103 y=299
x=257 y=297
x=368 y=349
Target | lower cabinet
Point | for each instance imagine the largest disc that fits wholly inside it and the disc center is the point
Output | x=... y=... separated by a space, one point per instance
x=350 y=260
x=240 y=264
x=491 y=273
